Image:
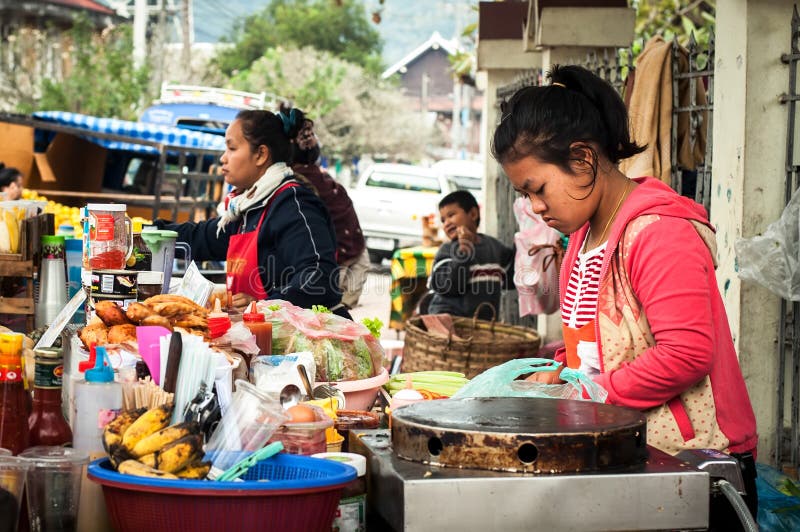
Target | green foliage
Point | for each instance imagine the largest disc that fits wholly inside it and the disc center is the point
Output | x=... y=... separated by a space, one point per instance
x=341 y=28
x=354 y=112
x=670 y=18
x=102 y=80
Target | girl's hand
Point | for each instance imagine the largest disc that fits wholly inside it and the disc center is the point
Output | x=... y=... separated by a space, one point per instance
x=241 y=300
x=547 y=377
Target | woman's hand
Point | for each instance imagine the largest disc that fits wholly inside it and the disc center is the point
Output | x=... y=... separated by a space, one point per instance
x=241 y=300
x=547 y=377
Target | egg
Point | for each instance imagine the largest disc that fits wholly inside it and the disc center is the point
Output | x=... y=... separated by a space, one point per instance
x=301 y=414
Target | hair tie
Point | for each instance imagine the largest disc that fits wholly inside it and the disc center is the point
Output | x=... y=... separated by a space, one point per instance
x=557 y=84
x=288 y=121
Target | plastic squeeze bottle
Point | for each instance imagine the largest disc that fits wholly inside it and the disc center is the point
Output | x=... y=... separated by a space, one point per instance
x=98 y=400
x=260 y=327
x=219 y=322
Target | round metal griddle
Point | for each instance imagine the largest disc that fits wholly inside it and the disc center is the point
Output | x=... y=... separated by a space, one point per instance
x=520 y=435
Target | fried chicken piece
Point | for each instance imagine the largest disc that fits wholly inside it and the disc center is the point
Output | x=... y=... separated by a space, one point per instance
x=96 y=333
x=155 y=319
x=110 y=313
x=173 y=309
x=172 y=298
x=137 y=312
x=122 y=333
x=191 y=321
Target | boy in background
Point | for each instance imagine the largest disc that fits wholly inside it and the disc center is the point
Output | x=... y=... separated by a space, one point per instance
x=471 y=268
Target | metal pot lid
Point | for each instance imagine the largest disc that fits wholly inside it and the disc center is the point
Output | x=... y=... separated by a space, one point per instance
x=520 y=434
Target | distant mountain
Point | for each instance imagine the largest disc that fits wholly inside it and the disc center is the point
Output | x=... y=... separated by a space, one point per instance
x=405 y=24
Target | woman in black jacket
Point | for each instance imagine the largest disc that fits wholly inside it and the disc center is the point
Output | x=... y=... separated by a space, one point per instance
x=275 y=234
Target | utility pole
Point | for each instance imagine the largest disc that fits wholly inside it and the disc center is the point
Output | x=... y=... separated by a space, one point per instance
x=140 y=33
x=186 y=34
x=423 y=104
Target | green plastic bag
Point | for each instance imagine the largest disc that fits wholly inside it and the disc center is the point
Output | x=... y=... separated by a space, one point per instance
x=500 y=381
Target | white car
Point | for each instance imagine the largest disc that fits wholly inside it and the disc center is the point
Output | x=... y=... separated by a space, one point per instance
x=462 y=175
x=391 y=200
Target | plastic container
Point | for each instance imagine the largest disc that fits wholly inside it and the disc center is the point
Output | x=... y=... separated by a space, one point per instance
x=362 y=393
x=14 y=399
x=305 y=438
x=302 y=494
x=141 y=258
x=352 y=511
x=162 y=244
x=347 y=420
x=247 y=425
x=52 y=280
x=74 y=258
x=97 y=399
x=149 y=284
x=107 y=236
x=54 y=487
x=12 y=485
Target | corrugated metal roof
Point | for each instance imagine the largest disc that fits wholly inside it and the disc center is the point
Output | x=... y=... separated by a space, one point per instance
x=89 y=5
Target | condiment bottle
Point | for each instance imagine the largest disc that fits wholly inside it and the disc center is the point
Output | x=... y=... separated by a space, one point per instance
x=46 y=423
x=260 y=327
x=219 y=322
x=98 y=399
x=14 y=400
x=351 y=514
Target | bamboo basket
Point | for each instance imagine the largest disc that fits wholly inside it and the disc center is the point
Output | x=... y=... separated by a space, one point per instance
x=477 y=346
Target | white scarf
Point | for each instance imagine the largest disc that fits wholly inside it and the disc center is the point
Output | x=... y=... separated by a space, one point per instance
x=242 y=201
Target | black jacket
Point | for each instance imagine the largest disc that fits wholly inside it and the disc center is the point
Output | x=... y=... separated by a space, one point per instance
x=296 y=247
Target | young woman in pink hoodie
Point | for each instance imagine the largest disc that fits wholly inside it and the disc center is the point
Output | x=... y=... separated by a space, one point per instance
x=641 y=311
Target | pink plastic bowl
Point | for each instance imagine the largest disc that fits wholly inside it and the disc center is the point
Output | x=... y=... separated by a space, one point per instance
x=361 y=394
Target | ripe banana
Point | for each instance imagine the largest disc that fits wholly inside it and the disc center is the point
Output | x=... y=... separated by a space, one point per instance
x=132 y=467
x=151 y=421
x=113 y=432
x=176 y=455
x=5 y=239
x=197 y=470
x=163 y=437
x=13 y=230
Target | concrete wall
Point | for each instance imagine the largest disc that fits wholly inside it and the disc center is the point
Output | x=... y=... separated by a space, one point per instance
x=748 y=180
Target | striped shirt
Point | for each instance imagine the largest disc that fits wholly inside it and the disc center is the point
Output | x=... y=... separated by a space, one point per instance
x=580 y=300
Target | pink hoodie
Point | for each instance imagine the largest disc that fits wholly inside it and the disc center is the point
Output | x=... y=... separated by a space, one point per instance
x=671 y=273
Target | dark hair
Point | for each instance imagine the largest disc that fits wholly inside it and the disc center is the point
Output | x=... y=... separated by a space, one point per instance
x=577 y=107
x=274 y=131
x=464 y=199
x=8 y=174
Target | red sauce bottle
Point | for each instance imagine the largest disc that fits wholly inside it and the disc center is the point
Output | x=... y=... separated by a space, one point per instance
x=46 y=423
x=14 y=399
x=260 y=327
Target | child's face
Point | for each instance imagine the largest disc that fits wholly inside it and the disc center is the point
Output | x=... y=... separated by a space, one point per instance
x=453 y=217
x=14 y=190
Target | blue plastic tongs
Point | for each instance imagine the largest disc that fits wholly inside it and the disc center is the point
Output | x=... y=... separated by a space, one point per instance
x=241 y=467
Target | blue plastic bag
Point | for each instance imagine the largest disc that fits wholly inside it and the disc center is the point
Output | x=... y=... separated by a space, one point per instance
x=500 y=381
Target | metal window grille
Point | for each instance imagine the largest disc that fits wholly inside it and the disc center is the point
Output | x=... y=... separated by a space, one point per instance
x=505 y=196
x=612 y=65
x=789 y=327
x=694 y=183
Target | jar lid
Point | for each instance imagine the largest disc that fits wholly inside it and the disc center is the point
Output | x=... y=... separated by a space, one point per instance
x=48 y=352
x=53 y=240
x=150 y=277
x=112 y=207
x=352 y=459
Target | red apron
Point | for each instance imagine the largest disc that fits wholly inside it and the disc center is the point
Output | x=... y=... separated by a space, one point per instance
x=243 y=271
x=572 y=337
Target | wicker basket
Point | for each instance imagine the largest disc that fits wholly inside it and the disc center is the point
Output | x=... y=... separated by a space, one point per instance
x=479 y=345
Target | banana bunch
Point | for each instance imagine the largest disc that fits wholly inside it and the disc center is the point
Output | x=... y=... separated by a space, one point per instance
x=9 y=229
x=140 y=442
